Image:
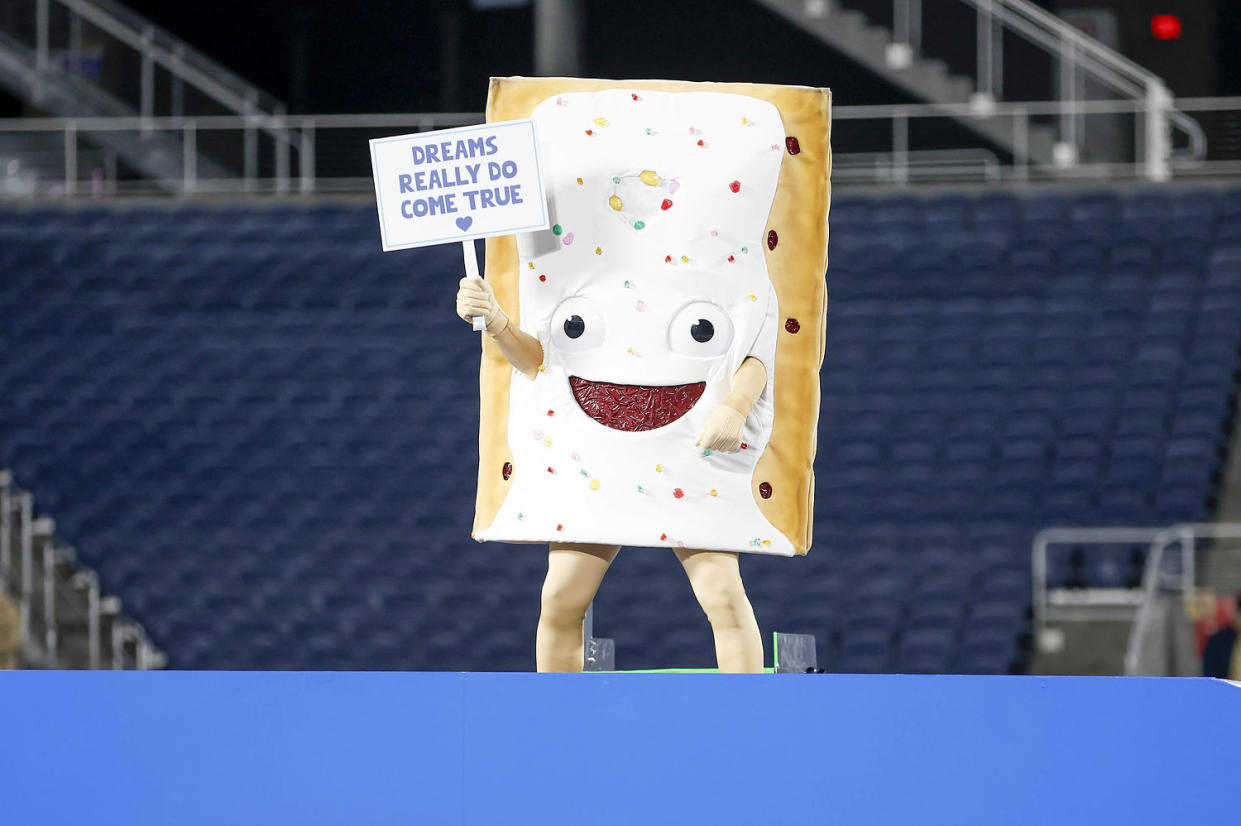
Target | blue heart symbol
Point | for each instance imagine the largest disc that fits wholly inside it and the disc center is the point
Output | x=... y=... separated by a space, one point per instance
x=464 y=223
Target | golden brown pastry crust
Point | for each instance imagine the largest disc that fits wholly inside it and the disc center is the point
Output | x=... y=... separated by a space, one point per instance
x=796 y=264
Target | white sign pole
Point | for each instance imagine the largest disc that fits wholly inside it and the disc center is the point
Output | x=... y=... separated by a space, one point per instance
x=478 y=322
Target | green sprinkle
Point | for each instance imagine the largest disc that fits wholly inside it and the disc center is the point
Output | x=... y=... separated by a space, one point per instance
x=743 y=249
x=616 y=180
x=650 y=131
x=628 y=286
x=639 y=224
x=706 y=451
x=584 y=473
x=556 y=230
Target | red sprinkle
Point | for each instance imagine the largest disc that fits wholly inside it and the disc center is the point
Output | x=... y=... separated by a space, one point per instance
x=678 y=493
x=551 y=470
x=792 y=145
x=542 y=277
x=667 y=204
x=792 y=325
x=667 y=259
x=663 y=536
x=560 y=527
x=731 y=259
x=772 y=240
x=744 y=446
x=551 y=412
x=764 y=490
x=590 y=131
x=700 y=143
x=735 y=186
x=507 y=470
x=632 y=95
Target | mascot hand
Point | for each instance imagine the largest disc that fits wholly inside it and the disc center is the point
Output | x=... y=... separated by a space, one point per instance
x=475 y=297
x=722 y=430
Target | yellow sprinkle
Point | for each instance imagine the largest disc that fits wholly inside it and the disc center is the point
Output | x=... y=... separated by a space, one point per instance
x=594 y=484
x=766 y=541
x=616 y=203
x=579 y=181
x=714 y=492
x=629 y=351
x=744 y=121
x=649 y=177
x=601 y=121
x=659 y=468
x=684 y=259
x=548 y=441
x=753 y=297
x=530 y=264
x=542 y=368
x=598 y=250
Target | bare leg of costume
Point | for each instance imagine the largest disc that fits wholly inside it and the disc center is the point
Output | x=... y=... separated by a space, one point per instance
x=716 y=579
x=573 y=576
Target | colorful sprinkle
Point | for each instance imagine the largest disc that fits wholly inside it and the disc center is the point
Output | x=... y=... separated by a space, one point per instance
x=684 y=259
x=678 y=493
x=594 y=484
x=764 y=490
x=775 y=147
x=560 y=527
x=551 y=470
x=615 y=179
x=542 y=368
x=735 y=186
x=548 y=441
x=542 y=277
x=506 y=471
x=639 y=224
x=575 y=457
x=628 y=286
x=551 y=412
x=616 y=203
x=568 y=239
x=714 y=492
x=648 y=177
x=694 y=131
x=772 y=240
x=521 y=517
x=701 y=142
x=673 y=186
x=590 y=131
x=666 y=205
x=598 y=250
x=766 y=541
x=650 y=131
x=707 y=451
x=715 y=233
x=663 y=537
x=635 y=97
x=745 y=446
x=745 y=250
x=791 y=144
x=667 y=259
x=752 y=297
x=579 y=181
x=640 y=306
x=601 y=121
x=538 y=434
x=530 y=264
x=792 y=325
x=659 y=468
x=556 y=230
x=731 y=259
x=745 y=122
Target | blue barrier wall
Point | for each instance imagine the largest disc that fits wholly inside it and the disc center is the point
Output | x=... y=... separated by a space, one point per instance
x=387 y=748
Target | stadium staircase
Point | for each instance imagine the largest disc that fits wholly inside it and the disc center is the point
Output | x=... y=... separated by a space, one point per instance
x=258 y=429
x=85 y=59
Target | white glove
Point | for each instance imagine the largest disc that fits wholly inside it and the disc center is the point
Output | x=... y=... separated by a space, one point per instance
x=476 y=298
x=722 y=430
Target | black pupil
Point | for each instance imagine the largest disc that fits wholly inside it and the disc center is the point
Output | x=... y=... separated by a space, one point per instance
x=574 y=326
x=703 y=330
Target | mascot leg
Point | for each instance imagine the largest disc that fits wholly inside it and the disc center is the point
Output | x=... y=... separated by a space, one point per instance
x=716 y=579
x=573 y=576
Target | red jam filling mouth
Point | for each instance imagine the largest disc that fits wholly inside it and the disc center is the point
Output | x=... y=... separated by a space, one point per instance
x=635 y=407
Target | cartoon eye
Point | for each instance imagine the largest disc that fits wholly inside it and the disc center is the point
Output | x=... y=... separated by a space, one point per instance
x=701 y=329
x=576 y=325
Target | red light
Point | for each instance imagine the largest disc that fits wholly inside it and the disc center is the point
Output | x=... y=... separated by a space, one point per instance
x=1165 y=26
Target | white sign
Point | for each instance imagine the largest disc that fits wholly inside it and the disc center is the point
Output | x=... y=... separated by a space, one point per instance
x=458 y=184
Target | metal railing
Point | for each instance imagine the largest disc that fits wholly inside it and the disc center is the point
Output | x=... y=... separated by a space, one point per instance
x=327 y=153
x=1076 y=56
x=51 y=589
x=1156 y=579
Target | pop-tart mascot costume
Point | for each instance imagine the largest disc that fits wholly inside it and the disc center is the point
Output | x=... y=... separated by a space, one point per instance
x=650 y=364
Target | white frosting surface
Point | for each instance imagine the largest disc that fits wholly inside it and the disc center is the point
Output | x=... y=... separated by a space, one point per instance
x=681 y=236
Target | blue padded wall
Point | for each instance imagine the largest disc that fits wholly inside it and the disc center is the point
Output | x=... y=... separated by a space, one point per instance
x=261 y=430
